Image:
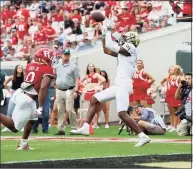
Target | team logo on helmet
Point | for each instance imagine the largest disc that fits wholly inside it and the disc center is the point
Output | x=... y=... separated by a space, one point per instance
x=44 y=55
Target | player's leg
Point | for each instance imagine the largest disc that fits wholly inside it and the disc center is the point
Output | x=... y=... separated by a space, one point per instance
x=8 y=122
x=23 y=113
x=10 y=110
x=105 y=95
x=122 y=98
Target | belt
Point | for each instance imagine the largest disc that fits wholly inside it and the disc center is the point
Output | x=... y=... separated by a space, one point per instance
x=70 y=88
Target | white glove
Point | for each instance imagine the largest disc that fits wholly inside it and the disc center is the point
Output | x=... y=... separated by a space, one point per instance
x=38 y=112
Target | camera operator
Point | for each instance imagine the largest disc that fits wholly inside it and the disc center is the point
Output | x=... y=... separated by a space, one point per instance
x=184 y=92
x=149 y=120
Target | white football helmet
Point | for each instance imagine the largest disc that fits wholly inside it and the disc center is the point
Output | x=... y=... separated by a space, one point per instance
x=130 y=37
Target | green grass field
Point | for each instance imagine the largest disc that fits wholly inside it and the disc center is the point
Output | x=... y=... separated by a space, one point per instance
x=46 y=150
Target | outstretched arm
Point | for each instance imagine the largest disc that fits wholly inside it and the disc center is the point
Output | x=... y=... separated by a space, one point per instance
x=112 y=45
x=108 y=51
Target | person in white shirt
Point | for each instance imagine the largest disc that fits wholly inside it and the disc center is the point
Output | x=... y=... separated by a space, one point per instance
x=33 y=28
x=125 y=51
x=34 y=6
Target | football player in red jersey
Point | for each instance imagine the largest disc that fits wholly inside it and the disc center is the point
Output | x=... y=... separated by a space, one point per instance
x=38 y=77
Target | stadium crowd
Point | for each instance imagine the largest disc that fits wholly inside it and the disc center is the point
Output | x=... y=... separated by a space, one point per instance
x=26 y=24
x=68 y=25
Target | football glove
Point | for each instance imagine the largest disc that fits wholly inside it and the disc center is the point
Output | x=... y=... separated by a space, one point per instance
x=38 y=112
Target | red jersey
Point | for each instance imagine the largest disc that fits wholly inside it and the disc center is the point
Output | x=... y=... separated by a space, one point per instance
x=125 y=19
x=22 y=30
x=40 y=36
x=24 y=12
x=35 y=73
x=76 y=18
x=14 y=40
x=50 y=31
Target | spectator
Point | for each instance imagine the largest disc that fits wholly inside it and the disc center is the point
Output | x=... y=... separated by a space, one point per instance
x=125 y=18
x=76 y=17
x=40 y=36
x=149 y=121
x=14 y=38
x=8 y=47
x=45 y=116
x=76 y=29
x=50 y=31
x=22 y=29
x=12 y=55
x=23 y=11
x=33 y=28
x=17 y=78
x=67 y=88
x=139 y=24
x=68 y=23
x=184 y=126
x=34 y=6
x=97 y=32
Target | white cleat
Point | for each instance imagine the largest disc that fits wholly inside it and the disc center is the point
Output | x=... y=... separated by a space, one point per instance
x=5 y=130
x=24 y=147
x=81 y=131
x=107 y=126
x=173 y=130
x=169 y=128
x=142 y=141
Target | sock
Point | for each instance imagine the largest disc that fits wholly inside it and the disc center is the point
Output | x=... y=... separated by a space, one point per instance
x=142 y=134
x=23 y=141
x=86 y=125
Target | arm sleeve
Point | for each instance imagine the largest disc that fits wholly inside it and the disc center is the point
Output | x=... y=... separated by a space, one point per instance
x=144 y=115
x=110 y=44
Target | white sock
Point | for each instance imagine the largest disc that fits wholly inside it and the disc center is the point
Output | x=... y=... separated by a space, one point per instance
x=86 y=125
x=142 y=134
x=23 y=141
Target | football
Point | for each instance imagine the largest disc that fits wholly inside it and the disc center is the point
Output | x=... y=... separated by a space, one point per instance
x=97 y=16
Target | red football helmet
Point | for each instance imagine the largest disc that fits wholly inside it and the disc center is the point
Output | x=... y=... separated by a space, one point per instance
x=44 y=55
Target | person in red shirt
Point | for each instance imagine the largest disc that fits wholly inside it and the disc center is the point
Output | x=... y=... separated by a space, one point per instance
x=50 y=31
x=23 y=11
x=125 y=18
x=5 y=14
x=12 y=12
x=44 y=19
x=14 y=38
x=22 y=29
x=40 y=36
x=76 y=16
x=143 y=12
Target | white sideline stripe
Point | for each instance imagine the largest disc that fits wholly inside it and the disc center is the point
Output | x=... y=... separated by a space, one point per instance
x=92 y=139
x=46 y=160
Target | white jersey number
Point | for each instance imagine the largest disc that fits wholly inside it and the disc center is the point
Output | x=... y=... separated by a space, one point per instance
x=30 y=77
